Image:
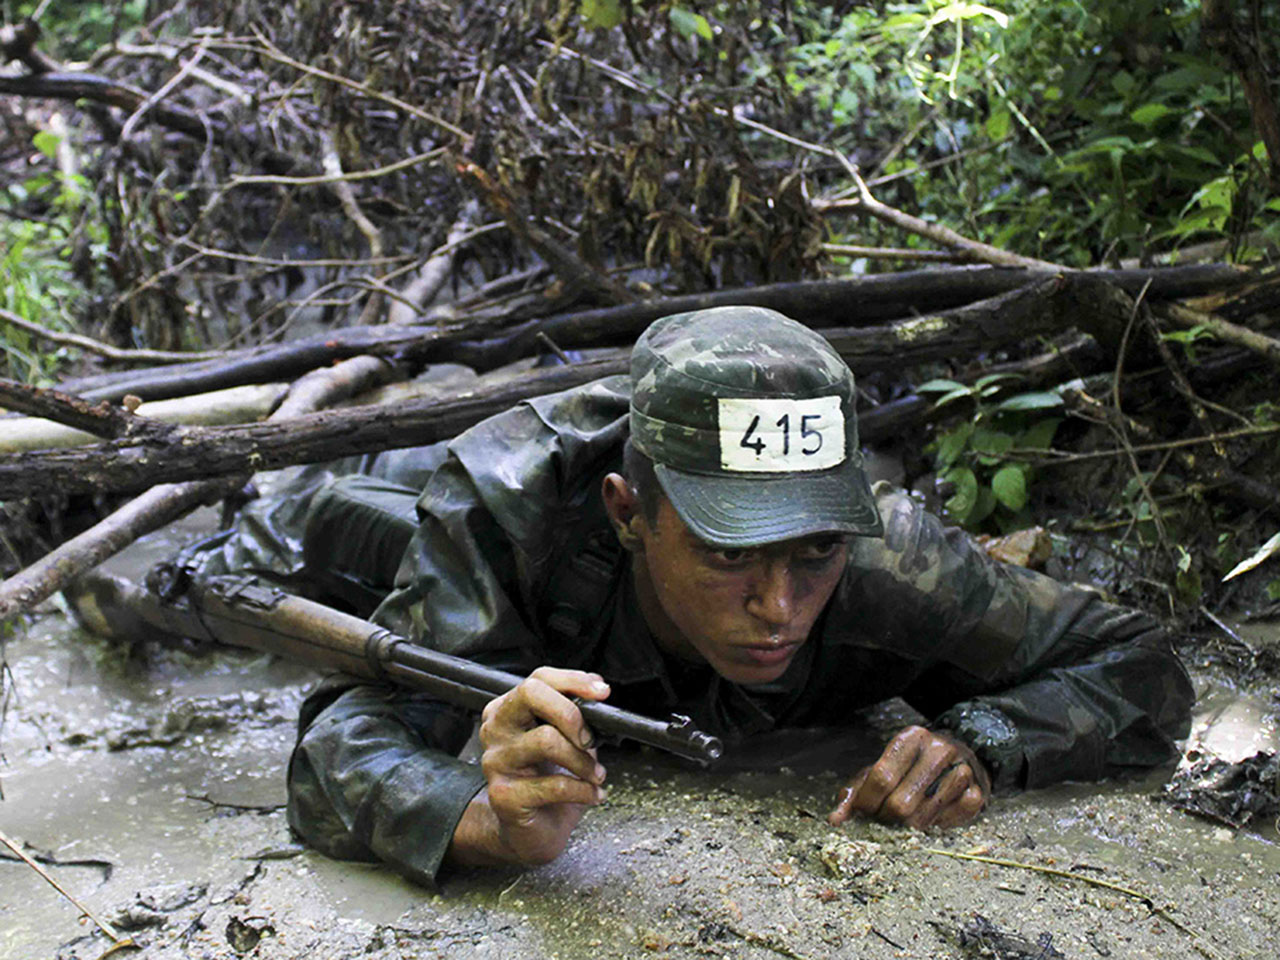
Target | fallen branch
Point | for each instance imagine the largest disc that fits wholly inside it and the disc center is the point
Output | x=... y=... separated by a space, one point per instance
x=101 y=420
x=898 y=253
x=106 y=350
x=73 y=86
x=234 y=405
x=351 y=207
x=938 y=233
x=422 y=289
x=220 y=451
x=163 y=504
x=1224 y=330
x=848 y=301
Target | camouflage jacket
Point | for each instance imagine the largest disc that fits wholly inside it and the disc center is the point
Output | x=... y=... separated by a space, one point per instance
x=1044 y=680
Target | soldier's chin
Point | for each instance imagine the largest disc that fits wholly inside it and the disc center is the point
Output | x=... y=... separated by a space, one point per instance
x=759 y=664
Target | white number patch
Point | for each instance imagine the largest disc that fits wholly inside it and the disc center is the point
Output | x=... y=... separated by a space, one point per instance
x=781 y=436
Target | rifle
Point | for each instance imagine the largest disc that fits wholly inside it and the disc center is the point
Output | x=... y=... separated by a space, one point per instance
x=242 y=611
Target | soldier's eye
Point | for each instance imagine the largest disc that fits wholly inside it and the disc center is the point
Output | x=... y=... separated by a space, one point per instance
x=820 y=550
x=731 y=556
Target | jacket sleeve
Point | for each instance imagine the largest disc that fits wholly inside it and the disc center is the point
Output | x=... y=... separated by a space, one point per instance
x=375 y=773
x=374 y=776
x=1044 y=680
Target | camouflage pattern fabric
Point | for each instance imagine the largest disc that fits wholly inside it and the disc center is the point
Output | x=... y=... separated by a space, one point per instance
x=1045 y=680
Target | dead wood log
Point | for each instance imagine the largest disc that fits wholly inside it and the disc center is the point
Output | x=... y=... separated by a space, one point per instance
x=1048 y=306
x=217 y=451
x=167 y=502
x=101 y=420
x=235 y=405
x=846 y=302
x=851 y=301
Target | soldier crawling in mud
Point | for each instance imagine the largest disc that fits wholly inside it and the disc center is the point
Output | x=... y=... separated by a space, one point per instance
x=699 y=537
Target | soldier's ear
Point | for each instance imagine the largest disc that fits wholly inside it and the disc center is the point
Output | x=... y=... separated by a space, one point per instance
x=623 y=507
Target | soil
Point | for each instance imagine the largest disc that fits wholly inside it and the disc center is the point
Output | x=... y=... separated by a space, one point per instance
x=151 y=782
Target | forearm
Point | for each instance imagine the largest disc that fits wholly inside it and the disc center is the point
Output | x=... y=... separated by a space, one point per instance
x=1122 y=707
x=368 y=780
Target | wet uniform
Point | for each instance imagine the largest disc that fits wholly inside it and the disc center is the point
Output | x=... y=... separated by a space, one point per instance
x=510 y=560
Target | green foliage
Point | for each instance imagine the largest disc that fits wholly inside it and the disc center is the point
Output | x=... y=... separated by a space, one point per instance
x=74 y=30
x=36 y=282
x=974 y=455
x=1090 y=130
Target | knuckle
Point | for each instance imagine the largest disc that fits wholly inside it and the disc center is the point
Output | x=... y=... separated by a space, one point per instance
x=896 y=809
x=879 y=779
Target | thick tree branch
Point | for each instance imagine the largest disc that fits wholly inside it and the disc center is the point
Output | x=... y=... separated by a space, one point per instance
x=167 y=502
x=101 y=420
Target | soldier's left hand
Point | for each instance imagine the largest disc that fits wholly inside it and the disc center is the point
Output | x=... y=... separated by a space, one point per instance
x=923 y=779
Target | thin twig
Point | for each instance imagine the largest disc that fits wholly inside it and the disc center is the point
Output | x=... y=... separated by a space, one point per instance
x=105 y=349
x=1065 y=456
x=117 y=941
x=168 y=87
x=270 y=50
x=1092 y=881
x=898 y=253
x=258 y=180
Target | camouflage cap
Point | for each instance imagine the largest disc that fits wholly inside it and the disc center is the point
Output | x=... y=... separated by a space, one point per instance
x=749 y=419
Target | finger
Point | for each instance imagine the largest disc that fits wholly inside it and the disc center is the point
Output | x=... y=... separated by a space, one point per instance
x=544 y=696
x=542 y=744
x=578 y=683
x=886 y=775
x=938 y=797
x=964 y=809
x=844 y=799
x=517 y=799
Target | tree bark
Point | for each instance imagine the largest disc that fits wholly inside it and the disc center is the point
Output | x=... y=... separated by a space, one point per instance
x=236 y=405
x=1047 y=306
x=217 y=451
x=847 y=302
x=167 y=502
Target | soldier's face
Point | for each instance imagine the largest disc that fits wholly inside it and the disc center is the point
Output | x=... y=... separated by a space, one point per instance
x=747 y=612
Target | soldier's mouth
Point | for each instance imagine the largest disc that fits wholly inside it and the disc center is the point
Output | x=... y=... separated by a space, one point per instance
x=771 y=654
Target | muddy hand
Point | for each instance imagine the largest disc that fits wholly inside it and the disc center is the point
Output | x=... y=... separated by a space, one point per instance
x=540 y=770
x=923 y=778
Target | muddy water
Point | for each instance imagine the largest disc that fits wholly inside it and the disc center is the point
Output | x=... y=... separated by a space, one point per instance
x=162 y=773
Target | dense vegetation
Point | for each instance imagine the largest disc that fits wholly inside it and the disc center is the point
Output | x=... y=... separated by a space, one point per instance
x=671 y=147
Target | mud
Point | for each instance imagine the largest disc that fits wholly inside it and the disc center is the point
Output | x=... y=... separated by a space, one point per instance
x=151 y=782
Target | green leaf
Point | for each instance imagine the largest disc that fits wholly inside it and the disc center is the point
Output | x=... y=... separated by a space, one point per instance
x=983 y=507
x=962 y=502
x=1040 y=434
x=604 y=14
x=1149 y=113
x=1043 y=400
x=991 y=442
x=1010 y=486
x=940 y=386
x=998 y=123
x=47 y=143
x=952 y=443
x=1273 y=589
x=688 y=23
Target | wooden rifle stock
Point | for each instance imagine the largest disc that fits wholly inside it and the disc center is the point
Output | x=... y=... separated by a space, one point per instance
x=244 y=612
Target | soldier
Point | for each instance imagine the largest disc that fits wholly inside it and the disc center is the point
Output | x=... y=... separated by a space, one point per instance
x=698 y=537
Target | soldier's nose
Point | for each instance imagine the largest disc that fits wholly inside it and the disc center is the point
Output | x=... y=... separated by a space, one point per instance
x=772 y=598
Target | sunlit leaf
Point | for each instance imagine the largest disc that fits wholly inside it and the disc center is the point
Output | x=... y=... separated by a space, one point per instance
x=1263 y=553
x=1010 y=486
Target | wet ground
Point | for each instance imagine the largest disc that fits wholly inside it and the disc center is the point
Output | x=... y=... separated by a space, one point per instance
x=150 y=782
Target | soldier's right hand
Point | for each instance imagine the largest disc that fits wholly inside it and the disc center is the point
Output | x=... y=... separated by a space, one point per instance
x=540 y=768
